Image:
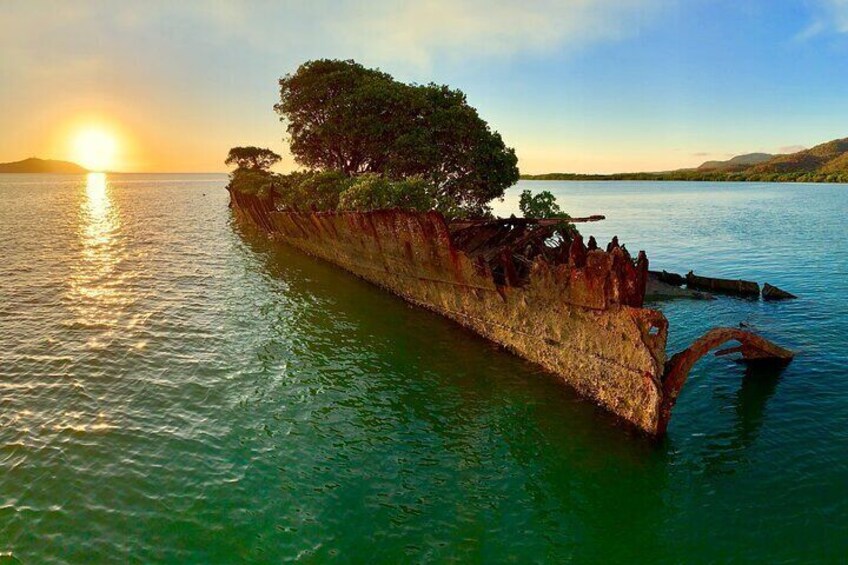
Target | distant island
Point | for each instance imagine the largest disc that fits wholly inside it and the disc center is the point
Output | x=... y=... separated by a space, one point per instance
x=827 y=162
x=34 y=165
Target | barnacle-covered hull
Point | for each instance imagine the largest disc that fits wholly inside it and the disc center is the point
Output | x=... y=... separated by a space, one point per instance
x=577 y=313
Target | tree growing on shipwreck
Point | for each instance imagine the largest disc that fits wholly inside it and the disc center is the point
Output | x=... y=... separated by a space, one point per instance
x=397 y=190
x=389 y=144
x=253 y=158
x=342 y=116
x=540 y=205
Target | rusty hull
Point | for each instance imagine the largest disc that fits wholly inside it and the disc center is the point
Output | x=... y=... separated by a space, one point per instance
x=573 y=309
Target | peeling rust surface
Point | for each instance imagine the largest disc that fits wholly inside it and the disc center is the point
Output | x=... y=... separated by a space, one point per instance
x=573 y=309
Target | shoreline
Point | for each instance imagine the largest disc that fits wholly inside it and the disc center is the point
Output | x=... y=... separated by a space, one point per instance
x=663 y=177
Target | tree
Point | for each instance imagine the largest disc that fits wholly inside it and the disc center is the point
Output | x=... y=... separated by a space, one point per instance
x=343 y=116
x=253 y=181
x=256 y=158
x=316 y=190
x=542 y=205
x=374 y=192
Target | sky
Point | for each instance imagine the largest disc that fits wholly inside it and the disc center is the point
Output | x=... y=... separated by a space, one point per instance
x=573 y=85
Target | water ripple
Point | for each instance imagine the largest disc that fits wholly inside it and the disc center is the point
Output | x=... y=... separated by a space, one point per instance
x=174 y=388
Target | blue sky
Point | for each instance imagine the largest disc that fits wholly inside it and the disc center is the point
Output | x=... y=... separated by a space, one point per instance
x=573 y=85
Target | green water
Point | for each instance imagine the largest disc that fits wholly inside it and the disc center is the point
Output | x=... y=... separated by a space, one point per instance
x=176 y=389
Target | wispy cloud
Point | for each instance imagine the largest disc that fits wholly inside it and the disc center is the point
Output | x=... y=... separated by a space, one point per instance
x=839 y=13
x=421 y=31
x=416 y=33
x=829 y=16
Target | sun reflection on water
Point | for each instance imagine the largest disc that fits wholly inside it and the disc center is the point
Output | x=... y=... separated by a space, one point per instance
x=98 y=200
x=95 y=281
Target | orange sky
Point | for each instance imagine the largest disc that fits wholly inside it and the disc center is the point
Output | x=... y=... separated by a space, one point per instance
x=573 y=85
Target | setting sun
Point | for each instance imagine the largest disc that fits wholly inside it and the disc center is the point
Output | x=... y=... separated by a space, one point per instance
x=95 y=149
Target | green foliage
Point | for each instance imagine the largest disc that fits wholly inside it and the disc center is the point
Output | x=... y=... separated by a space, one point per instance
x=448 y=207
x=540 y=205
x=543 y=206
x=253 y=181
x=343 y=116
x=374 y=192
x=319 y=191
x=338 y=114
x=257 y=158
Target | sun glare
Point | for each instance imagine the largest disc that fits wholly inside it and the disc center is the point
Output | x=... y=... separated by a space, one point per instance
x=95 y=149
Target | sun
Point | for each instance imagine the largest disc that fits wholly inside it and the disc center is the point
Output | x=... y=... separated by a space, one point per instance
x=95 y=149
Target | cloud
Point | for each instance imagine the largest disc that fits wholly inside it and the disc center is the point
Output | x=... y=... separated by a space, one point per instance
x=791 y=149
x=416 y=33
x=838 y=11
x=829 y=16
x=421 y=31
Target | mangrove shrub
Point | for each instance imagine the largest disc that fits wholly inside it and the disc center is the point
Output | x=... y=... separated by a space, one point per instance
x=375 y=192
x=311 y=190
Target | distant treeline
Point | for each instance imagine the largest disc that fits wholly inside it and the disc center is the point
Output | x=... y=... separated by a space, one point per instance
x=826 y=162
x=695 y=175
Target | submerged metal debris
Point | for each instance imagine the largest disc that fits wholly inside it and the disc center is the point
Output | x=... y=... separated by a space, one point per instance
x=745 y=289
x=729 y=286
x=773 y=293
x=754 y=349
x=532 y=286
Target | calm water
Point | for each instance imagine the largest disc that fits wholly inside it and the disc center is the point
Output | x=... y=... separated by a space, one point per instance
x=175 y=390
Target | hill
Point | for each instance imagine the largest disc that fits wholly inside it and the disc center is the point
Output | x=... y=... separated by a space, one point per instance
x=34 y=165
x=827 y=162
x=736 y=163
x=827 y=157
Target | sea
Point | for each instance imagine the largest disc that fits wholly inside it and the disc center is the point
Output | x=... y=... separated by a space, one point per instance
x=176 y=388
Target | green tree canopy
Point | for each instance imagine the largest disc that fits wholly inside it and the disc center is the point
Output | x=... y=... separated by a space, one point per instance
x=343 y=116
x=257 y=158
x=540 y=205
x=375 y=192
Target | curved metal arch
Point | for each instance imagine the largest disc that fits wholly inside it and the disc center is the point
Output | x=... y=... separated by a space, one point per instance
x=753 y=348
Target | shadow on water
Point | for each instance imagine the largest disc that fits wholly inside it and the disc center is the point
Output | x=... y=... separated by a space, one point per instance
x=759 y=384
x=730 y=412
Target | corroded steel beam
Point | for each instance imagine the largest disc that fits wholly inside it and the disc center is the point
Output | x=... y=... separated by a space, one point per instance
x=752 y=347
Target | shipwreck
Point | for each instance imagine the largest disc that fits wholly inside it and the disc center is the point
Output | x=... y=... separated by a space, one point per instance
x=573 y=308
